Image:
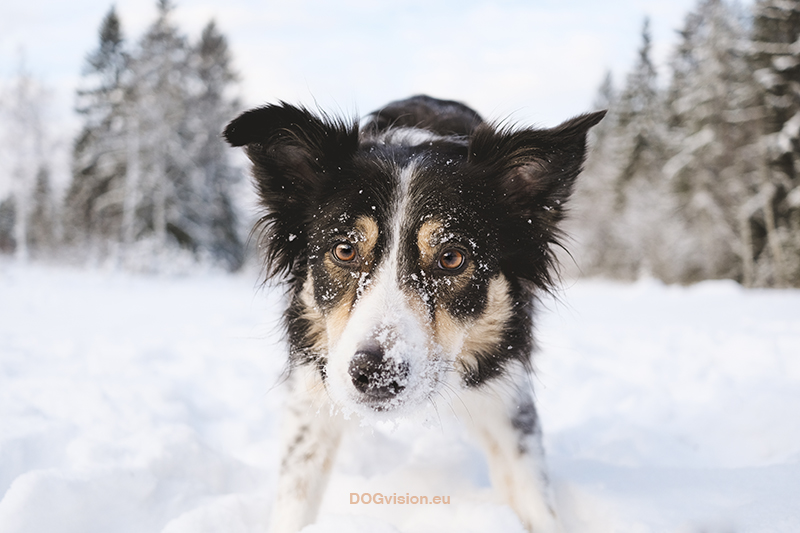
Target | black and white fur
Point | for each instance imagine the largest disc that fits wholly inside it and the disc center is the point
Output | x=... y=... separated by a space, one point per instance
x=413 y=245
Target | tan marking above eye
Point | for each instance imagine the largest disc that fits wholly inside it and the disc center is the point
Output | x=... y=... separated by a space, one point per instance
x=345 y=252
x=368 y=229
x=427 y=240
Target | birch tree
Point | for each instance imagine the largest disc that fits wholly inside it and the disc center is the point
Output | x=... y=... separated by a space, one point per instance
x=25 y=146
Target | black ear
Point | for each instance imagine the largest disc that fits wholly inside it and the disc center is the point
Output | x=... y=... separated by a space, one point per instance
x=293 y=151
x=534 y=171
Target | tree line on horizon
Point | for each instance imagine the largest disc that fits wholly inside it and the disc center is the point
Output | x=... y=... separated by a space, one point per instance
x=151 y=178
x=699 y=178
x=692 y=178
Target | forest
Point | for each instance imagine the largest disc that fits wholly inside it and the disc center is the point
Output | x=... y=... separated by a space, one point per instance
x=690 y=177
x=697 y=178
x=151 y=180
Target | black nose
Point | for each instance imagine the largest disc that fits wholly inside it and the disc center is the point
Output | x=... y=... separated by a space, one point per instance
x=376 y=376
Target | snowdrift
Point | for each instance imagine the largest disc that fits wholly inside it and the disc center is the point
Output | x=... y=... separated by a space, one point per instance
x=152 y=404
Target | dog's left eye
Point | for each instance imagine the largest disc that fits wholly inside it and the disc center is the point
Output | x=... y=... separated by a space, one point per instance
x=344 y=252
x=452 y=260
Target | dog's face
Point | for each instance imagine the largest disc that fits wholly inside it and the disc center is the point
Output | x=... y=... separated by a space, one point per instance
x=412 y=254
x=403 y=276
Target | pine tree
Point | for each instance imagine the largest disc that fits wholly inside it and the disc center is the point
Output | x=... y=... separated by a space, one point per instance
x=639 y=117
x=157 y=102
x=773 y=217
x=184 y=196
x=27 y=144
x=8 y=214
x=626 y=206
x=95 y=197
x=591 y=226
x=712 y=140
x=216 y=180
x=151 y=175
x=42 y=217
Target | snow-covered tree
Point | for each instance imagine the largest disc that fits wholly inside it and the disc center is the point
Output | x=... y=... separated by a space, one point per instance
x=622 y=223
x=773 y=215
x=95 y=199
x=151 y=174
x=42 y=218
x=216 y=179
x=182 y=100
x=158 y=105
x=25 y=146
x=7 y=217
x=701 y=180
x=712 y=137
x=593 y=205
x=640 y=122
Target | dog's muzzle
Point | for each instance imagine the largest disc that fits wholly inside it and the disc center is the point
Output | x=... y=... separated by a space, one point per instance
x=377 y=377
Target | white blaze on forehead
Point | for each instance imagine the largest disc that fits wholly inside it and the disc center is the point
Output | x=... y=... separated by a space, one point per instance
x=399 y=220
x=409 y=137
x=389 y=316
x=383 y=304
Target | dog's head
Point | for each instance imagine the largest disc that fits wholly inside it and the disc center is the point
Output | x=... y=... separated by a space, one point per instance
x=412 y=252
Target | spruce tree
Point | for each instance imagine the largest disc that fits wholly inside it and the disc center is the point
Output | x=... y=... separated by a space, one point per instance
x=217 y=179
x=93 y=206
x=640 y=120
x=8 y=214
x=712 y=140
x=42 y=217
x=157 y=103
x=625 y=231
x=184 y=190
x=596 y=247
x=773 y=217
x=150 y=172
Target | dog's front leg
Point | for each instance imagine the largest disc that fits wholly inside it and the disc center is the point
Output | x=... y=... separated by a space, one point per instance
x=506 y=425
x=311 y=434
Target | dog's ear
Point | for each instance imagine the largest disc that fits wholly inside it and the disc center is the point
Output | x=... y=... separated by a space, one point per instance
x=534 y=172
x=293 y=152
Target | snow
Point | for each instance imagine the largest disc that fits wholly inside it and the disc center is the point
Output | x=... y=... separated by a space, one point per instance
x=151 y=404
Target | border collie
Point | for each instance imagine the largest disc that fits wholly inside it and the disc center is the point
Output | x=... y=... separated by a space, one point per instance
x=413 y=245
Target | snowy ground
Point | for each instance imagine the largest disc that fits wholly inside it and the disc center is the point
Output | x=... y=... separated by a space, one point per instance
x=149 y=404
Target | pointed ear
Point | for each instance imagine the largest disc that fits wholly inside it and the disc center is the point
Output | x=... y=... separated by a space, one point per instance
x=534 y=172
x=293 y=151
x=536 y=168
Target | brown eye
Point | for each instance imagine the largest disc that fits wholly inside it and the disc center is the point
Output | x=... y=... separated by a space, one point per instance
x=345 y=252
x=451 y=260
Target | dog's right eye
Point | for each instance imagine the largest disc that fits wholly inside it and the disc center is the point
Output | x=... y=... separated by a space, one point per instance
x=344 y=252
x=451 y=260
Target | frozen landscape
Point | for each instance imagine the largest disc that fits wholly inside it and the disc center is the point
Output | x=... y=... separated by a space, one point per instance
x=132 y=403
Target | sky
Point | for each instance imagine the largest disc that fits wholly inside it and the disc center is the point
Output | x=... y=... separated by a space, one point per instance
x=538 y=62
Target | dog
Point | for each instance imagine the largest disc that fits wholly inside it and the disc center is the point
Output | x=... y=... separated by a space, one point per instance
x=414 y=245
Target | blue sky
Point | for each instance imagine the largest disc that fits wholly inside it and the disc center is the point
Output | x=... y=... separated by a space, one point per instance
x=536 y=61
